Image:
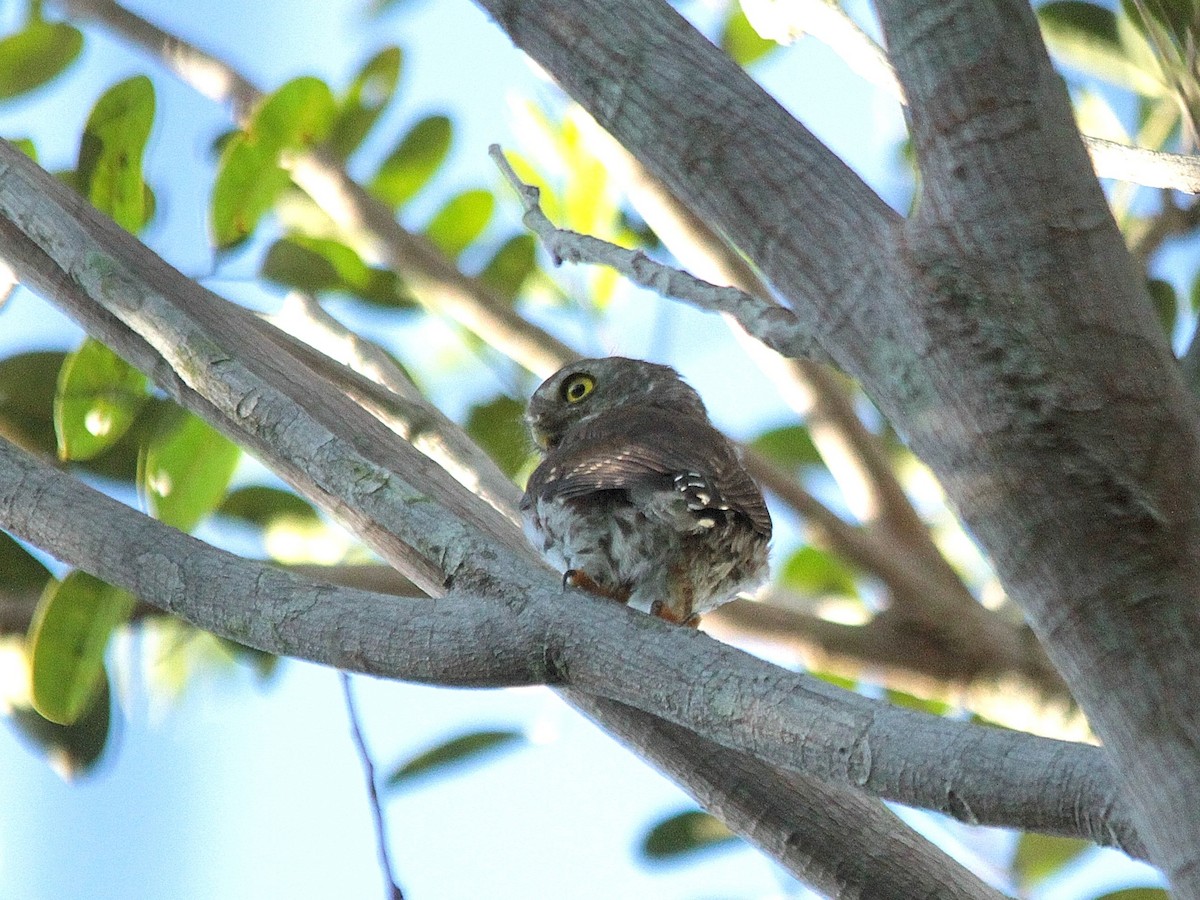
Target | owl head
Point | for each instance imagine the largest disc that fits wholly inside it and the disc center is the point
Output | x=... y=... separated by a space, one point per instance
x=581 y=391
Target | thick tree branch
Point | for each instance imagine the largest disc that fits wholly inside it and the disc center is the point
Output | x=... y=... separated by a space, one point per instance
x=410 y=510
x=1078 y=470
x=784 y=21
x=801 y=822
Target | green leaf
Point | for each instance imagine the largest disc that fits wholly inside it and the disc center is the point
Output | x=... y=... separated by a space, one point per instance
x=1088 y=37
x=365 y=100
x=22 y=570
x=683 y=834
x=813 y=571
x=511 y=265
x=739 y=39
x=27 y=386
x=789 y=447
x=1176 y=17
x=109 y=170
x=318 y=265
x=1144 y=893
x=67 y=640
x=1162 y=295
x=73 y=750
x=912 y=701
x=37 y=54
x=413 y=163
x=264 y=506
x=249 y=178
x=456 y=752
x=1041 y=855
x=461 y=221
x=98 y=397
x=248 y=183
x=26 y=146
x=185 y=470
x=297 y=115
x=498 y=426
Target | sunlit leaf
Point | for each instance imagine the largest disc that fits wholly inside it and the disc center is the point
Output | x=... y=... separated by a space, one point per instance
x=27 y=386
x=318 y=265
x=98 y=397
x=922 y=704
x=790 y=447
x=109 y=169
x=72 y=750
x=249 y=178
x=263 y=506
x=414 y=161
x=297 y=115
x=739 y=39
x=514 y=262
x=26 y=146
x=1041 y=855
x=67 y=640
x=683 y=834
x=813 y=571
x=1144 y=893
x=498 y=426
x=185 y=470
x=365 y=100
x=461 y=221
x=1088 y=37
x=36 y=54
x=467 y=748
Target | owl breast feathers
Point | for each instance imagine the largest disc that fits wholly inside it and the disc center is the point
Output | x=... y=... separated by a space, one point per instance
x=639 y=498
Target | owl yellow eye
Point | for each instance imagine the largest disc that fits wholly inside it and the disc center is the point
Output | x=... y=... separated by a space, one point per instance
x=577 y=387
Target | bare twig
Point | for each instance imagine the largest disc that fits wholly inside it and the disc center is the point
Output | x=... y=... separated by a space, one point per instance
x=368 y=766
x=774 y=325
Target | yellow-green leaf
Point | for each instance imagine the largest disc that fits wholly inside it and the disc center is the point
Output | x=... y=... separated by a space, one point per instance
x=249 y=178
x=27 y=383
x=72 y=750
x=461 y=221
x=511 y=265
x=1092 y=39
x=316 y=265
x=1041 y=855
x=67 y=640
x=98 y=397
x=739 y=39
x=185 y=470
x=36 y=54
x=109 y=169
x=683 y=834
x=414 y=161
x=456 y=752
x=365 y=100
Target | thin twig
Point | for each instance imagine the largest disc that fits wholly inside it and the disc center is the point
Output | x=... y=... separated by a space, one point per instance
x=774 y=325
x=368 y=766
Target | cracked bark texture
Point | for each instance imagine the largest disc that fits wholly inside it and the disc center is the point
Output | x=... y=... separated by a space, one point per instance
x=1003 y=330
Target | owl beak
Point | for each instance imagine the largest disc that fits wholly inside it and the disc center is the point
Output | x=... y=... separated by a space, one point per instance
x=541 y=437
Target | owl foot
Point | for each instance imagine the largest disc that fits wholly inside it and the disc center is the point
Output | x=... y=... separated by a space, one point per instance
x=577 y=578
x=664 y=612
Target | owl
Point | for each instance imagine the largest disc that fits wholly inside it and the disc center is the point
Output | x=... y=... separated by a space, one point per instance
x=639 y=498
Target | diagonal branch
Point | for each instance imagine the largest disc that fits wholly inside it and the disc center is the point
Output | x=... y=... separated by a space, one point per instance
x=421 y=520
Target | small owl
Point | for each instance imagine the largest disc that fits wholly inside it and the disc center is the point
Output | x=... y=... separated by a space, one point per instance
x=639 y=498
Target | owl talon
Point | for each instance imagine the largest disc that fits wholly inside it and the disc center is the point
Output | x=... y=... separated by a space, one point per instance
x=660 y=610
x=577 y=578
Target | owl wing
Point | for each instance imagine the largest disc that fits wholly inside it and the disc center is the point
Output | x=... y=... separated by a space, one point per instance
x=644 y=449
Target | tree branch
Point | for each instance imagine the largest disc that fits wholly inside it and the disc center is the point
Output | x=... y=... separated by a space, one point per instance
x=421 y=520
